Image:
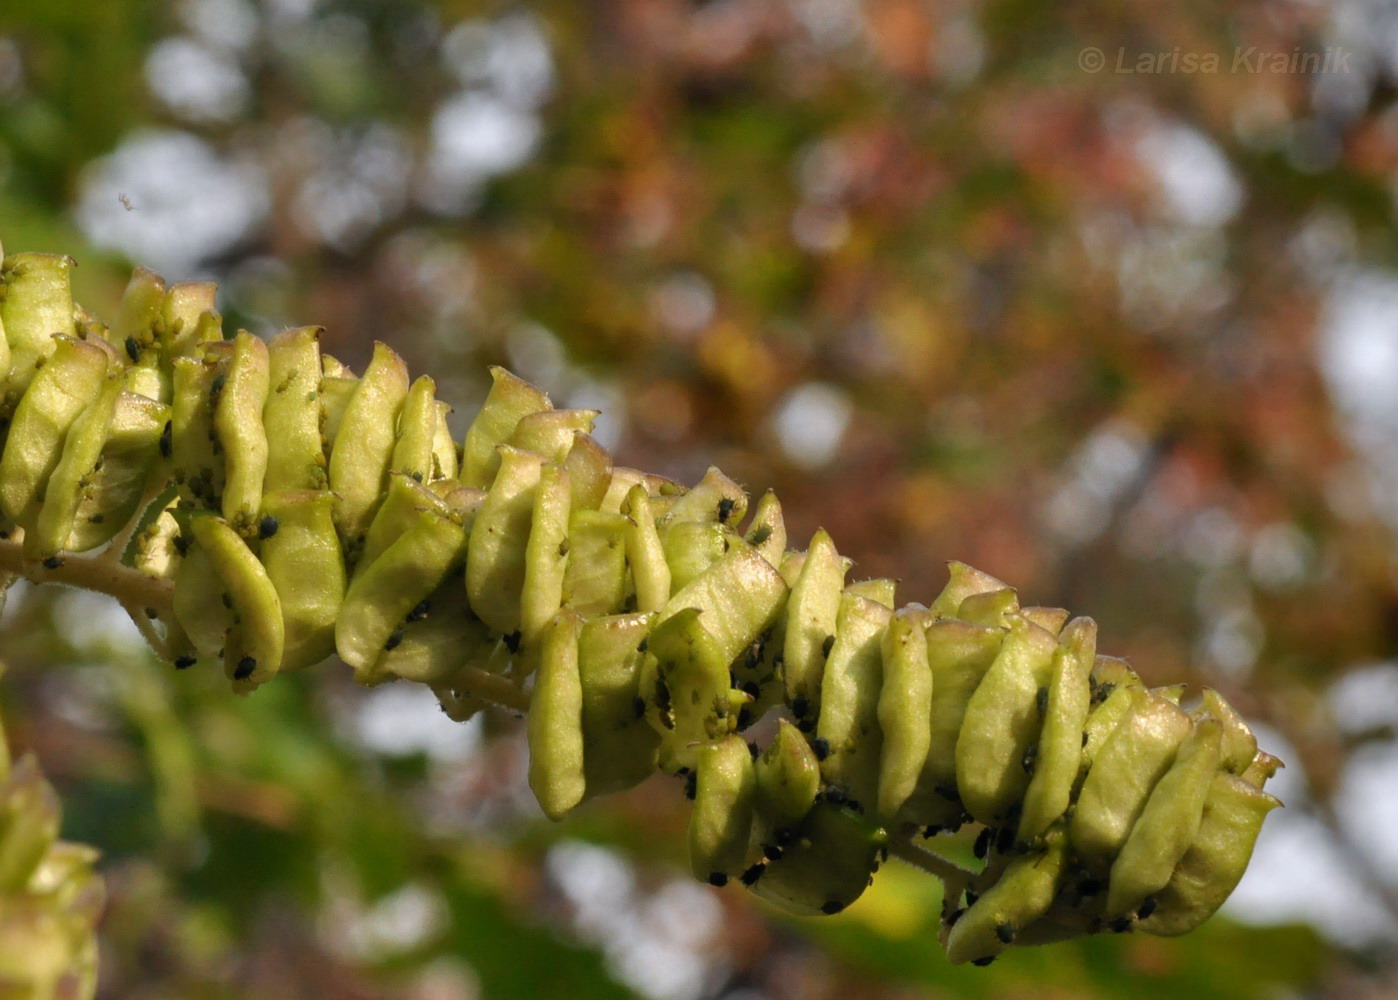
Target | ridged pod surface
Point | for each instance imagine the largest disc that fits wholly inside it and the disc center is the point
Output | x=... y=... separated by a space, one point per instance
x=293 y=511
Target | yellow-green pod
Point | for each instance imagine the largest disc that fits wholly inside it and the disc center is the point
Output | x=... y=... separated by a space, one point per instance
x=1059 y=753
x=880 y=590
x=238 y=424
x=685 y=688
x=828 y=865
x=1216 y=859
x=589 y=470
x=546 y=554
x=645 y=553
x=619 y=485
x=499 y=538
x=739 y=598
x=1002 y=723
x=187 y=319
x=417 y=431
x=256 y=656
x=114 y=492
x=619 y=747
x=904 y=709
x=133 y=330
x=37 y=303
x=995 y=608
x=810 y=622
x=849 y=699
x=714 y=498
x=958 y=656
x=195 y=463
x=964 y=581
x=363 y=450
x=399 y=511
x=439 y=637
x=301 y=553
x=445 y=459
x=1021 y=895
x=691 y=547
x=336 y=391
x=58 y=394
x=29 y=820
x=790 y=566
x=595 y=580
x=1136 y=755
x=1239 y=746
x=1263 y=766
x=1112 y=701
x=295 y=458
x=201 y=603
x=1168 y=823
x=721 y=823
x=550 y=432
x=1049 y=619
x=556 y=770
x=767 y=531
x=381 y=596
x=82 y=447
x=510 y=399
x=788 y=779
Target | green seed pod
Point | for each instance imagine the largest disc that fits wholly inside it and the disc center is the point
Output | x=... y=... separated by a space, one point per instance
x=1216 y=859
x=336 y=391
x=402 y=504
x=546 y=555
x=738 y=597
x=685 y=688
x=134 y=331
x=37 y=304
x=499 y=537
x=60 y=391
x=590 y=472
x=994 y=608
x=129 y=458
x=550 y=432
x=295 y=459
x=253 y=653
x=810 y=614
x=1051 y=620
x=619 y=747
x=238 y=424
x=509 y=401
x=1136 y=755
x=1239 y=746
x=187 y=319
x=1002 y=722
x=1017 y=899
x=82 y=448
x=964 y=582
x=196 y=462
x=363 y=450
x=691 y=547
x=904 y=708
x=439 y=637
x=556 y=771
x=1058 y=756
x=29 y=815
x=645 y=553
x=715 y=498
x=767 y=531
x=958 y=655
x=788 y=779
x=595 y=579
x=417 y=431
x=849 y=699
x=303 y=560
x=382 y=595
x=445 y=460
x=880 y=590
x=830 y=862
x=1168 y=824
x=201 y=602
x=720 y=825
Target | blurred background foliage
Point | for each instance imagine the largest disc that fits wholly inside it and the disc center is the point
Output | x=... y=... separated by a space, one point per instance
x=1123 y=334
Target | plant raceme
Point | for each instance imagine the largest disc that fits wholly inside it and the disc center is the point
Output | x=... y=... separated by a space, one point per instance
x=264 y=507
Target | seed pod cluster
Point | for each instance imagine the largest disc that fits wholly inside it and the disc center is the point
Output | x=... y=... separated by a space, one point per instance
x=50 y=896
x=302 y=511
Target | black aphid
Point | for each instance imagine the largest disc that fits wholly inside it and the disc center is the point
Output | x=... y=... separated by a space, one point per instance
x=267 y=527
x=821 y=747
x=725 y=509
x=184 y=662
x=718 y=878
x=244 y=668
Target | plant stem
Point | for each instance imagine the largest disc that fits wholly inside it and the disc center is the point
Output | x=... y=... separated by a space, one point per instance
x=952 y=876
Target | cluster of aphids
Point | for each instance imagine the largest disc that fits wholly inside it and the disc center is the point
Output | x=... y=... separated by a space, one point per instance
x=302 y=511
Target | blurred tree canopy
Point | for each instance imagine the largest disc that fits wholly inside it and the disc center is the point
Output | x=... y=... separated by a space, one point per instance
x=958 y=279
